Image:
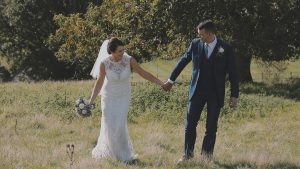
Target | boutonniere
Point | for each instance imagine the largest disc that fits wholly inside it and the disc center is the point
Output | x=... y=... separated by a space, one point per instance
x=220 y=51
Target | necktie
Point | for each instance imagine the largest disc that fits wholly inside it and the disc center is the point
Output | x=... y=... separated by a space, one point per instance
x=206 y=50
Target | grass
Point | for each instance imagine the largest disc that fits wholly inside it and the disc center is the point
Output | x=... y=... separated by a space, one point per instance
x=260 y=75
x=162 y=69
x=38 y=121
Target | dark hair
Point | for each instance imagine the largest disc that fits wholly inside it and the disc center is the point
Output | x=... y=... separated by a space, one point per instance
x=208 y=25
x=113 y=44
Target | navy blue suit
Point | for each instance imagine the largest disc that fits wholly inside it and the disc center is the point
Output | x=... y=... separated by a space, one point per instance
x=207 y=87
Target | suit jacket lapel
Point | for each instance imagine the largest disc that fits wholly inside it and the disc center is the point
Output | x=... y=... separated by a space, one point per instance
x=200 y=47
x=201 y=52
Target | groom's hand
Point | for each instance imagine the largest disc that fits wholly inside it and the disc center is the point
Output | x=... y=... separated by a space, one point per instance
x=167 y=86
x=233 y=102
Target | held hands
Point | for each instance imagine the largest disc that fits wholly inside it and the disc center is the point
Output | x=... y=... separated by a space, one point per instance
x=91 y=102
x=167 y=86
x=233 y=102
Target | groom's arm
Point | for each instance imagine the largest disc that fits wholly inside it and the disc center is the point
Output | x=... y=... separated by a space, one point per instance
x=183 y=61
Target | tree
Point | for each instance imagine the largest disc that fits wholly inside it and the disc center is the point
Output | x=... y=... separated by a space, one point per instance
x=76 y=43
x=25 y=27
x=79 y=37
x=261 y=29
x=142 y=25
x=267 y=30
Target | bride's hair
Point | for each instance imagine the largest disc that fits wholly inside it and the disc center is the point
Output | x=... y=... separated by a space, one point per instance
x=113 y=44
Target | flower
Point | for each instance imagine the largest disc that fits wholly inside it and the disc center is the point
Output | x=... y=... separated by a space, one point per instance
x=86 y=101
x=127 y=5
x=83 y=107
x=221 y=49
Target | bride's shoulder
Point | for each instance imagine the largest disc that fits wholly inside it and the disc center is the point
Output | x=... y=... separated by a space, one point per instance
x=105 y=60
x=126 y=56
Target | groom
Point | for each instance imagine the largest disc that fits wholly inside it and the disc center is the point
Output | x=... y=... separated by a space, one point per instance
x=212 y=59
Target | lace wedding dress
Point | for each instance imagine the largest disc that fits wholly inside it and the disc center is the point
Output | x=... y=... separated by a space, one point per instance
x=114 y=139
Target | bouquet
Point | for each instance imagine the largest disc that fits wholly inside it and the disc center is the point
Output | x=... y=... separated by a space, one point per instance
x=83 y=107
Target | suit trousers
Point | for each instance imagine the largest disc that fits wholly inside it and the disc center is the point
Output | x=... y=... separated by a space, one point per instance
x=195 y=108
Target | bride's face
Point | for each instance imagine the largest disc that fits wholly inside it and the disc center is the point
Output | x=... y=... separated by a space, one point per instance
x=118 y=53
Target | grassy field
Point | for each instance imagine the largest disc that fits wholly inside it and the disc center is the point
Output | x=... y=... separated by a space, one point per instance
x=39 y=121
x=259 y=74
x=162 y=69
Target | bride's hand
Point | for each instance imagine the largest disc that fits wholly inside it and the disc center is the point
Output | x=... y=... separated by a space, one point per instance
x=161 y=83
x=167 y=86
x=90 y=102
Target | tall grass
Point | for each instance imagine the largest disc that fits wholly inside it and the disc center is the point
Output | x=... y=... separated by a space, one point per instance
x=39 y=120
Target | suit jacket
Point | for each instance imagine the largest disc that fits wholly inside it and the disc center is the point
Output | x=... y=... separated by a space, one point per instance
x=223 y=63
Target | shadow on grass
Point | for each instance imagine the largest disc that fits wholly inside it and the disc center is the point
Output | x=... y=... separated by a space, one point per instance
x=290 y=90
x=193 y=164
x=240 y=165
x=138 y=162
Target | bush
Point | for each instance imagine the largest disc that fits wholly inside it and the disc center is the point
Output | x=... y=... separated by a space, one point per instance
x=151 y=103
x=148 y=103
x=4 y=74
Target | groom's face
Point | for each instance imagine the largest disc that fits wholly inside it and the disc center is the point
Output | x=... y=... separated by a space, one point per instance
x=204 y=35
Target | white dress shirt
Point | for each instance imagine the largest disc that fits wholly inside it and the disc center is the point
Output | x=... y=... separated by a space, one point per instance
x=211 y=46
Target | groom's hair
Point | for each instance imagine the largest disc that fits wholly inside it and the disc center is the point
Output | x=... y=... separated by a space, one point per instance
x=208 y=25
x=113 y=44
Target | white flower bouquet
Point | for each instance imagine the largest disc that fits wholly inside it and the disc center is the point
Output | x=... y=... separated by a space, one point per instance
x=83 y=107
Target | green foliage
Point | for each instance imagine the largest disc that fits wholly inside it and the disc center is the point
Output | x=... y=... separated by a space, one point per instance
x=261 y=29
x=25 y=27
x=148 y=101
x=29 y=36
x=138 y=24
x=152 y=101
x=39 y=119
x=4 y=74
x=163 y=28
x=265 y=29
x=75 y=42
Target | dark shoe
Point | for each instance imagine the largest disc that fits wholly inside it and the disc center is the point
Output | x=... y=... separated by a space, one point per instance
x=133 y=162
x=206 y=158
x=184 y=159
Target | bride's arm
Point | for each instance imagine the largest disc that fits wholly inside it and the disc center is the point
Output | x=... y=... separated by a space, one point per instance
x=98 y=84
x=143 y=73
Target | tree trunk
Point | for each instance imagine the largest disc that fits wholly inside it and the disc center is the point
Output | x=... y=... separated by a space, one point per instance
x=243 y=67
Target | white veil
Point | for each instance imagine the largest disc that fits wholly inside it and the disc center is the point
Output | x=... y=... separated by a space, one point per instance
x=101 y=56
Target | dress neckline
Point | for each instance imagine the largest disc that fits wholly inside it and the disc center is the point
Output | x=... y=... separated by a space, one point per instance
x=110 y=59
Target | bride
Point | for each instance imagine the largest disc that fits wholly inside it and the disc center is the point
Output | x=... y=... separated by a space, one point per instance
x=112 y=70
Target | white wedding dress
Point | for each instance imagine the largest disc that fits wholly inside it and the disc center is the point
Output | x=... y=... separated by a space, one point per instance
x=114 y=139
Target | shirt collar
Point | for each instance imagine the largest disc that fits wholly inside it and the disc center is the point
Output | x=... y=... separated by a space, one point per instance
x=213 y=43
